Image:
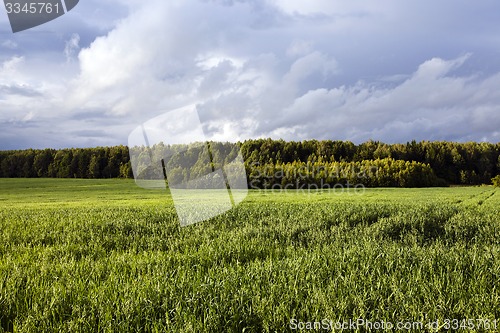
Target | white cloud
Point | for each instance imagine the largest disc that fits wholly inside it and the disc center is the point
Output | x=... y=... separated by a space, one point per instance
x=322 y=7
x=291 y=69
x=29 y=116
x=9 y=44
x=299 y=47
x=431 y=104
x=10 y=66
x=436 y=67
x=313 y=63
x=72 y=45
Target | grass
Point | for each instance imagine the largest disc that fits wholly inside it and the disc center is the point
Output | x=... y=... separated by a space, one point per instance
x=107 y=256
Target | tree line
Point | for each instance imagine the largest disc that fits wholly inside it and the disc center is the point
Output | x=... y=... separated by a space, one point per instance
x=470 y=163
x=100 y=162
x=322 y=174
x=407 y=165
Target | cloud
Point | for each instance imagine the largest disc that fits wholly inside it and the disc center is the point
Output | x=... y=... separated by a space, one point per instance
x=430 y=105
x=18 y=90
x=90 y=133
x=291 y=69
x=9 y=66
x=9 y=44
x=72 y=45
x=437 y=67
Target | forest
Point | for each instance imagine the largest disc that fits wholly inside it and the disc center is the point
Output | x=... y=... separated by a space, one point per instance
x=270 y=162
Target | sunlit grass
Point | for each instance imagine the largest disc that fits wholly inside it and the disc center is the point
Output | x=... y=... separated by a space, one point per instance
x=105 y=255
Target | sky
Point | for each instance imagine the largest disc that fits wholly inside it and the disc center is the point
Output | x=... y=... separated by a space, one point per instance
x=389 y=70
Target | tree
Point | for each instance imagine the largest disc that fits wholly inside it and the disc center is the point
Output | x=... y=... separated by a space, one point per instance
x=94 y=167
x=42 y=161
x=496 y=181
x=126 y=170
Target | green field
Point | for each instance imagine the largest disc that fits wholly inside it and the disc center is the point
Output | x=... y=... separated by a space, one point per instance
x=107 y=256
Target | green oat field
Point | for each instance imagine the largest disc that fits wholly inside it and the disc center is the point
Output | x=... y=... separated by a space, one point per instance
x=108 y=256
